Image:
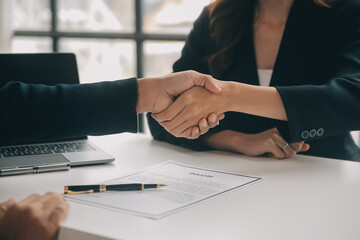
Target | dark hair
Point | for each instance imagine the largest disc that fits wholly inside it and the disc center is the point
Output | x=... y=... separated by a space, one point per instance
x=230 y=20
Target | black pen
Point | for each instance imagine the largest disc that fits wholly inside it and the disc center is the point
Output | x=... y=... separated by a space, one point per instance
x=103 y=188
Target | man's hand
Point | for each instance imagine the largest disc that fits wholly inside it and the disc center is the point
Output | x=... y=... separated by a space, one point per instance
x=157 y=94
x=36 y=217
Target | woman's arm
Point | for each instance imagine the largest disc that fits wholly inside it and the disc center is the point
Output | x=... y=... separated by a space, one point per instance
x=190 y=107
x=255 y=100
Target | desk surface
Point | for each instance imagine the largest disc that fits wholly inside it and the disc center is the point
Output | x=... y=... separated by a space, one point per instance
x=300 y=198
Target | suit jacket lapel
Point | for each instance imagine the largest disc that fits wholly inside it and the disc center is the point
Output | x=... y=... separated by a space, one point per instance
x=302 y=27
x=244 y=69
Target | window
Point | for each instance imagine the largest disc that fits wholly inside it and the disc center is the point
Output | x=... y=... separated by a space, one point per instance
x=112 y=39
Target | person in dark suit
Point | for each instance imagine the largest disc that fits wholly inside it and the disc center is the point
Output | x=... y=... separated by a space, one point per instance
x=305 y=54
x=33 y=112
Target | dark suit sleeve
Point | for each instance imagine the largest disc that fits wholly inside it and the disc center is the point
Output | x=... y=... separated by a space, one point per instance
x=333 y=108
x=193 y=57
x=32 y=112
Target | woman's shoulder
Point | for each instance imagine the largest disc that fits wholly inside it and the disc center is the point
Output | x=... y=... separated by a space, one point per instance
x=204 y=16
x=202 y=24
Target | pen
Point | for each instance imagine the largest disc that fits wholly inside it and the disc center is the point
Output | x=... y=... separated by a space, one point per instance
x=103 y=188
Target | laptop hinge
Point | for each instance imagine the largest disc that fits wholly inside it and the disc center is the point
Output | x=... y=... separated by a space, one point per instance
x=52 y=167
x=35 y=169
x=15 y=171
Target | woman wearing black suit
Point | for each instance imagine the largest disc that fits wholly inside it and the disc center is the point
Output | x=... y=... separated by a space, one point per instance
x=311 y=50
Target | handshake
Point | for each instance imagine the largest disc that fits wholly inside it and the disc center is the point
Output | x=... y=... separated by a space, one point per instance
x=187 y=104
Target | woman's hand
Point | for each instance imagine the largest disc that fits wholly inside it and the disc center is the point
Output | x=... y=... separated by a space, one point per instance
x=157 y=94
x=203 y=127
x=36 y=217
x=268 y=142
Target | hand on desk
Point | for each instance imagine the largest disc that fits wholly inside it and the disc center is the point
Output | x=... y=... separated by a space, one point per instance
x=268 y=142
x=36 y=217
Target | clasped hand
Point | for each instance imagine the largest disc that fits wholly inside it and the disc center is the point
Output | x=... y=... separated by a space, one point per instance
x=183 y=92
x=193 y=113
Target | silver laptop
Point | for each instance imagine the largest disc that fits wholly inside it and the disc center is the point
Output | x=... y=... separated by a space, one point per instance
x=48 y=69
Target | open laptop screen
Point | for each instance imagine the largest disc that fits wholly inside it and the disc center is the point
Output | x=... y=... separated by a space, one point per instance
x=43 y=68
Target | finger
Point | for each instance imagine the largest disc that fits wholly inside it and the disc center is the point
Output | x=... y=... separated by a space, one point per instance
x=171 y=124
x=284 y=146
x=59 y=213
x=274 y=149
x=208 y=82
x=289 y=151
x=195 y=133
x=30 y=199
x=51 y=199
x=56 y=216
x=297 y=146
x=179 y=129
x=174 y=128
x=203 y=126
x=8 y=203
x=170 y=113
x=277 y=153
x=212 y=120
x=305 y=147
x=221 y=116
x=5 y=206
x=189 y=133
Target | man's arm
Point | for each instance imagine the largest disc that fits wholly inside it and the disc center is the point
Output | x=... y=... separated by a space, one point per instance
x=33 y=112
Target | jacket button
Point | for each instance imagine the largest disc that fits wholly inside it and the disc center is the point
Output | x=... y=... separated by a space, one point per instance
x=305 y=134
x=312 y=133
x=320 y=132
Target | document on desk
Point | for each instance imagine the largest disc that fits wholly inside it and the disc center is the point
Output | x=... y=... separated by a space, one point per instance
x=186 y=186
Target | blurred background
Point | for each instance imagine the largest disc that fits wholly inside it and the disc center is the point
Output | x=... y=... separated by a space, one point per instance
x=112 y=39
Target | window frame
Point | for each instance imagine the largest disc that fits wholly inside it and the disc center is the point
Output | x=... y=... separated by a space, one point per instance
x=138 y=36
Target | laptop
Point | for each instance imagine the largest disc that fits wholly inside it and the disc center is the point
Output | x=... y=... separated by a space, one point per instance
x=48 y=69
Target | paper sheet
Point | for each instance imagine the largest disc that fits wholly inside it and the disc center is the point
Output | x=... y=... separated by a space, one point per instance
x=186 y=185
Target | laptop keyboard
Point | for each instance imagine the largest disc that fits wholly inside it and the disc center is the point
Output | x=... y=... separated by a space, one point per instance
x=53 y=148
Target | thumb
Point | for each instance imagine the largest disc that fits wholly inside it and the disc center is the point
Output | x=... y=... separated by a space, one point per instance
x=305 y=147
x=209 y=83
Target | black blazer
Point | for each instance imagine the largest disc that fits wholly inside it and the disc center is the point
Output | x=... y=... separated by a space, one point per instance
x=317 y=73
x=34 y=112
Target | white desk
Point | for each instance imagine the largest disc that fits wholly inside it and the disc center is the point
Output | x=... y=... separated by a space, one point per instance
x=301 y=198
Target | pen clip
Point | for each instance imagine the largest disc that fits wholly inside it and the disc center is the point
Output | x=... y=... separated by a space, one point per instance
x=69 y=192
